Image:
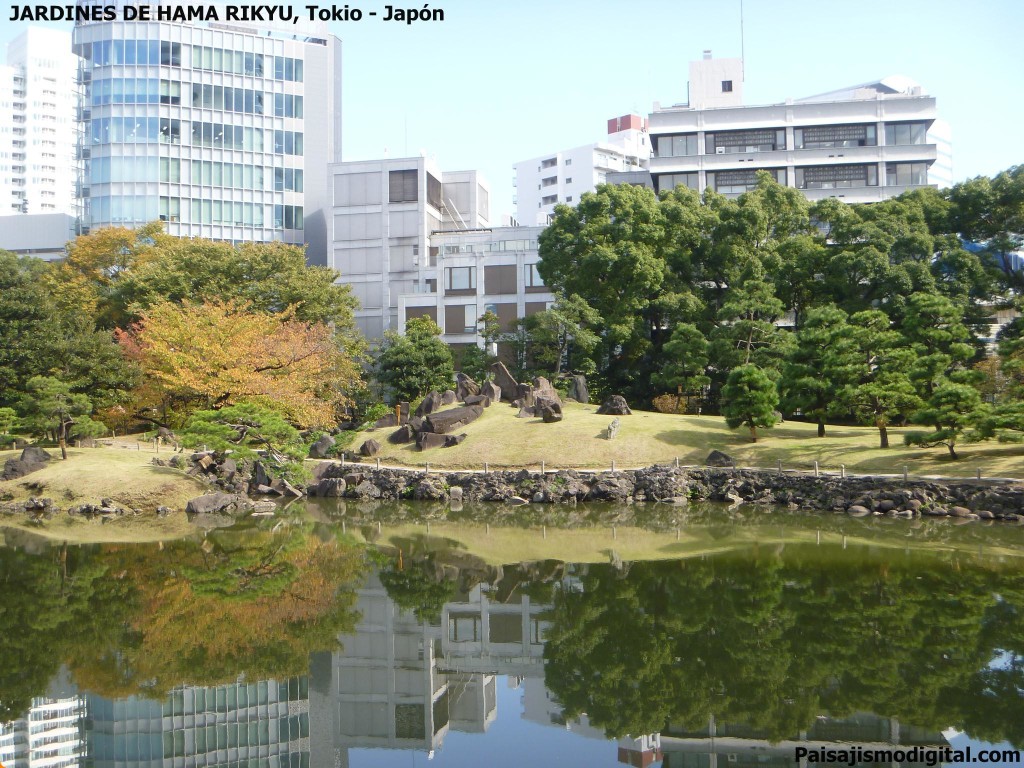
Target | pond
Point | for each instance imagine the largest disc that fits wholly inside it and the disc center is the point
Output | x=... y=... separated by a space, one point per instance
x=348 y=635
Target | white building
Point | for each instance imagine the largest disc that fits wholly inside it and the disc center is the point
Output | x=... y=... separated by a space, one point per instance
x=562 y=177
x=863 y=143
x=41 y=235
x=381 y=218
x=37 y=124
x=478 y=271
x=222 y=131
x=52 y=732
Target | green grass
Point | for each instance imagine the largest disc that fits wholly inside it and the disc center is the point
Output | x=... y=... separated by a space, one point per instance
x=502 y=440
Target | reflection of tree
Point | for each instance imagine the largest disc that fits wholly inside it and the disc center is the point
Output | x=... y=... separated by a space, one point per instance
x=416 y=587
x=772 y=643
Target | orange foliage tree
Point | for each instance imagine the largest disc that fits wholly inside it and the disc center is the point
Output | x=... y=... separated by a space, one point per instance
x=220 y=353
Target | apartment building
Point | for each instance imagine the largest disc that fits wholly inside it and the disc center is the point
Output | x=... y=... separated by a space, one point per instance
x=223 y=131
x=37 y=124
x=562 y=177
x=862 y=143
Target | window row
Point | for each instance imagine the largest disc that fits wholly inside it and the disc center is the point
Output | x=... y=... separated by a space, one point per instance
x=140 y=209
x=758 y=140
x=837 y=176
x=499 y=245
x=105 y=53
x=226 y=136
x=287 y=143
x=503 y=277
x=128 y=90
x=669 y=181
x=243 y=100
x=906 y=174
x=230 y=62
x=737 y=182
x=809 y=137
x=105 y=170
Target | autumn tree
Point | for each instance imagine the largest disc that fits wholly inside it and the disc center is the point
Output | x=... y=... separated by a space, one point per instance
x=216 y=354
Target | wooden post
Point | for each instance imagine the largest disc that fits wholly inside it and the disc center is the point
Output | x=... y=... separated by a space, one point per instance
x=613 y=465
x=378 y=526
x=815 y=469
x=677 y=462
x=485 y=467
x=544 y=530
x=488 y=529
x=842 y=470
x=378 y=462
x=614 y=533
x=343 y=458
x=677 y=534
x=979 y=473
x=819 y=537
x=427 y=470
x=428 y=526
x=905 y=473
x=542 y=469
x=398 y=414
x=780 y=466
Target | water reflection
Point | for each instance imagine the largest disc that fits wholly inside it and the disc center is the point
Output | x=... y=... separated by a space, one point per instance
x=290 y=650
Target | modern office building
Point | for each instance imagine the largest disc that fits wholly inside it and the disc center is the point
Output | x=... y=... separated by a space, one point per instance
x=382 y=216
x=37 y=124
x=863 y=143
x=476 y=271
x=52 y=732
x=223 y=131
x=562 y=177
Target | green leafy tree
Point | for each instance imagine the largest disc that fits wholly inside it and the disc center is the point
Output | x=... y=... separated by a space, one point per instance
x=685 y=360
x=475 y=361
x=50 y=407
x=564 y=334
x=8 y=421
x=933 y=328
x=884 y=400
x=747 y=333
x=950 y=410
x=416 y=363
x=749 y=399
x=27 y=326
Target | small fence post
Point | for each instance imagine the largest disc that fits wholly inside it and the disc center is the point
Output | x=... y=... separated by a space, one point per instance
x=780 y=466
x=842 y=470
x=613 y=465
x=905 y=473
x=378 y=462
x=979 y=473
x=815 y=469
x=542 y=468
x=485 y=467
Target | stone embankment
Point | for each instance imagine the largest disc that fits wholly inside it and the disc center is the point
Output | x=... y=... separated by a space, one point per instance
x=855 y=496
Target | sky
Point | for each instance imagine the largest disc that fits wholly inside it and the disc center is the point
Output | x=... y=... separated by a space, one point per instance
x=499 y=81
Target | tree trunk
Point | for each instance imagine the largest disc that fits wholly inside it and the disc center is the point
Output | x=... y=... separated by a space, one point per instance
x=883 y=437
x=821 y=427
x=62 y=441
x=753 y=434
x=952 y=452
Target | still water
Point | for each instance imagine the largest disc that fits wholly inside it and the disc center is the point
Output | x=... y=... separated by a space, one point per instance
x=725 y=640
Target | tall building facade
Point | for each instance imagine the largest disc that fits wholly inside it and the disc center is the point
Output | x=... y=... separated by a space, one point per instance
x=382 y=216
x=221 y=131
x=562 y=177
x=863 y=143
x=37 y=124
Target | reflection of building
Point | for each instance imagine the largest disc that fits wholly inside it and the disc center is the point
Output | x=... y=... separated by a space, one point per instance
x=51 y=733
x=265 y=721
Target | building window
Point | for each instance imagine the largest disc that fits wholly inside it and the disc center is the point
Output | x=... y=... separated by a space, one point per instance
x=549 y=200
x=549 y=163
x=568 y=161
x=532 y=277
x=549 y=181
x=829 y=136
x=464 y=629
x=898 y=134
x=727 y=86
x=682 y=145
x=434 y=192
x=906 y=174
x=403 y=186
x=568 y=180
x=568 y=199
x=170 y=54
x=460 y=278
x=729 y=142
x=669 y=181
x=287 y=217
x=737 y=182
x=837 y=176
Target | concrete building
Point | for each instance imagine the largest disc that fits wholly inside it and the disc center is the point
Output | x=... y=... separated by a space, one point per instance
x=37 y=124
x=42 y=235
x=562 y=177
x=476 y=271
x=863 y=143
x=382 y=215
x=52 y=732
x=222 y=131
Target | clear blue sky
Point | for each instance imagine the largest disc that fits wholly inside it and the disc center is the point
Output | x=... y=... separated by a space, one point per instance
x=501 y=80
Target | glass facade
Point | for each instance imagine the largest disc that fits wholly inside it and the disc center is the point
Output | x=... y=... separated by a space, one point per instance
x=837 y=176
x=830 y=136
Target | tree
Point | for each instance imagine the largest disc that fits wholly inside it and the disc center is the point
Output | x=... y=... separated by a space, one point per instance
x=27 y=326
x=749 y=399
x=886 y=398
x=933 y=327
x=416 y=363
x=685 y=360
x=563 y=333
x=212 y=355
x=49 y=406
x=8 y=421
x=949 y=411
x=746 y=333
x=475 y=361
x=818 y=366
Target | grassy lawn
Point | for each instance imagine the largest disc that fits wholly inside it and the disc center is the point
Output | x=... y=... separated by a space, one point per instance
x=91 y=474
x=502 y=440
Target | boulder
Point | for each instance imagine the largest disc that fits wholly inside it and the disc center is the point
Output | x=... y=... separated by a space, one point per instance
x=260 y=476
x=450 y=420
x=578 y=389
x=15 y=468
x=551 y=413
x=33 y=454
x=615 y=406
x=370 y=448
x=322 y=447
x=329 y=488
x=504 y=381
x=427 y=440
x=491 y=390
x=465 y=386
x=217 y=504
x=525 y=413
x=448 y=397
x=416 y=424
x=613 y=428
x=719 y=459
x=542 y=388
x=390 y=420
x=404 y=434
x=429 y=404
x=524 y=394
x=450 y=441
x=403 y=413
x=483 y=400
x=857 y=510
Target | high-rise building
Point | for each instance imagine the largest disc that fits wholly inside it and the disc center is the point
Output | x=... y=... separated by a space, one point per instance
x=223 y=131
x=37 y=124
x=562 y=177
x=863 y=143
x=383 y=213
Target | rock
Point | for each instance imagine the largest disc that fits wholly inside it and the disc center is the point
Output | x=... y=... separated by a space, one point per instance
x=448 y=397
x=524 y=395
x=578 y=389
x=550 y=412
x=615 y=406
x=491 y=390
x=329 y=488
x=416 y=424
x=322 y=447
x=450 y=441
x=390 y=420
x=960 y=512
x=402 y=435
x=430 y=488
x=525 y=412
x=163 y=511
x=370 y=448
x=450 y=420
x=504 y=381
x=427 y=440
x=429 y=404
x=260 y=476
x=290 y=490
x=228 y=469
x=209 y=520
x=517 y=501
x=542 y=388
x=217 y=504
x=985 y=514
x=483 y=400
x=455 y=493
x=613 y=428
x=856 y=510
x=719 y=459
x=264 y=508
x=403 y=413
x=465 y=386
x=15 y=468
x=35 y=455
